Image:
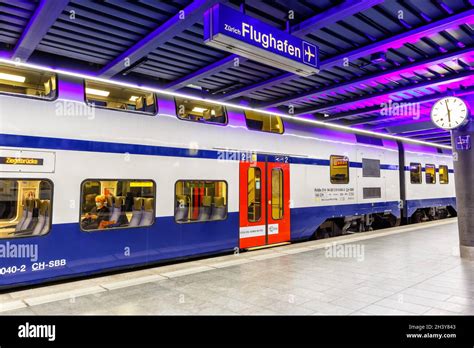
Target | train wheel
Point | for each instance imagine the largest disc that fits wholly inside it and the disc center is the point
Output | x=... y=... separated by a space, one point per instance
x=417 y=217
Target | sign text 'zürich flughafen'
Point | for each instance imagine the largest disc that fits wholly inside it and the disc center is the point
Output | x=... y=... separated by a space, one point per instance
x=233 y=31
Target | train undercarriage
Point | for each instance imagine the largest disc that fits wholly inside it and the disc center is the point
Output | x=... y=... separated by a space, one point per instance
x=369 y=222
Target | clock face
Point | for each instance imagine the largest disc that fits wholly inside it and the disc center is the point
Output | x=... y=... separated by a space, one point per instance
x=449 y=113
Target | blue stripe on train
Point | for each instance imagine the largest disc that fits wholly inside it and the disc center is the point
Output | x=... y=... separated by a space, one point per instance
x=304 y=221
x=135 y=149
x=414 y=204
x=92 y=252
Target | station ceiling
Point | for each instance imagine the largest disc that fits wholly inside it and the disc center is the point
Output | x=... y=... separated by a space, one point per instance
x=371 y=52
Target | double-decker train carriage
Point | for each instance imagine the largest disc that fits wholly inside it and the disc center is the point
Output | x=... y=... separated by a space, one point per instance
x=100 y=175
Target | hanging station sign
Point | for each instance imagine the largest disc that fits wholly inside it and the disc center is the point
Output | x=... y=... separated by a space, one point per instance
x=233 y=31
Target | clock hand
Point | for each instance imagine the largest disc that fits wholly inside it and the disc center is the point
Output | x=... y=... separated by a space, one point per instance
x=449 y=112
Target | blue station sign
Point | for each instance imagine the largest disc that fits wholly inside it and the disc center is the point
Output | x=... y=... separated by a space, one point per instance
x=463 y=142
x=233 y=31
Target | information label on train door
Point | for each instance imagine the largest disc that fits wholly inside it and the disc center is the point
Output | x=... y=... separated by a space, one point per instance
x=264 y=202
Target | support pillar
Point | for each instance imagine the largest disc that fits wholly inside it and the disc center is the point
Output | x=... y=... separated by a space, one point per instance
x=464 y=181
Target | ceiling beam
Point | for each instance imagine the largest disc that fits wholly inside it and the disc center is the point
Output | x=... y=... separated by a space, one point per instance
x=396 y=128
x=392 y=42
x=334 y=14
x=209 y=70
x=402 y=89
x=321 y=20
x=432 y=136
x=165 y=32
x=370 y=110
x=404 y=69
x=43 y=18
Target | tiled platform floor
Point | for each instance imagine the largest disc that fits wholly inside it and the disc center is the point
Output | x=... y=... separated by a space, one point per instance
x=414 y=270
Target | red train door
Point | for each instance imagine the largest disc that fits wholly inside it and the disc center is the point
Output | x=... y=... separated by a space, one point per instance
x=264 y=202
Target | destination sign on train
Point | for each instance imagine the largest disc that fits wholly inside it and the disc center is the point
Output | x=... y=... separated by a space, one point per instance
x=21 y=161
x=233 y=31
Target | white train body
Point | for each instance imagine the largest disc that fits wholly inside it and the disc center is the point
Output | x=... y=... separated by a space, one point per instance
x=79 y=143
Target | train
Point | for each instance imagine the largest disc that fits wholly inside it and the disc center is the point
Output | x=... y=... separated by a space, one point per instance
x=97 y=176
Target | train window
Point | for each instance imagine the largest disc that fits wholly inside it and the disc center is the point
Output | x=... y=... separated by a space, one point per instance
x=415 y=173
x=430 y=174
x=199 y=111
x=370 y=168
x=277 y=194
x=25 y=207
x=115 y=97
x=443 y=174
x=28 y=82
x=254 y=194
x=200 y=201
x=109 y=204
x=263 y=122
x=339 y=169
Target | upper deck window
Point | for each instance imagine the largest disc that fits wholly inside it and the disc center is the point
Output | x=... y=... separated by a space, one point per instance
x=200 y=111
x=263 y=122
x=119 y=98
x=430 y=171
x=415 y=173
x=443 y=174
x=27 y=82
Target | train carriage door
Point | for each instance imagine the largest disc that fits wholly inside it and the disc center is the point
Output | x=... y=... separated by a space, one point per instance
x=264 y=203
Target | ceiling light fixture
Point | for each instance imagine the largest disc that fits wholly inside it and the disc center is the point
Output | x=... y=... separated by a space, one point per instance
x=98 y=92
x=10 y=77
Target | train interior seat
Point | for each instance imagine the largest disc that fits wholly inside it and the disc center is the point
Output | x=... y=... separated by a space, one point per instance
x=140 y=104
x=89 y=203
x=150 y=103
x=205 y=209
x=254 y=124
x=97 y=102
x=30 y=205
x=117 y=213
x=47 y=204
x=110 y=201
x=137 y=212
x=24 y=213
x=148 y=212
x=219 y=211
x=182 y=209
x=43 y=221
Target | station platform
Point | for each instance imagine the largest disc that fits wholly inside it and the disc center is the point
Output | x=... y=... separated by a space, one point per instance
x=408 y=270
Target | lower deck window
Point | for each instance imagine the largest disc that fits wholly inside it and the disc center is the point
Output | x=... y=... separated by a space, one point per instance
x=25 y=207
x=109 y=204
x=199 y=201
